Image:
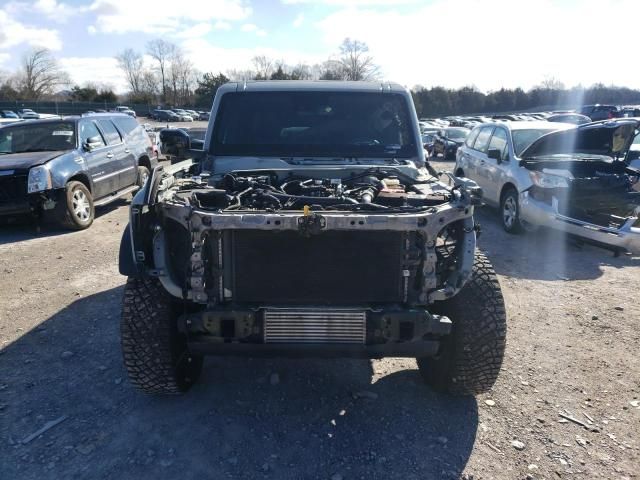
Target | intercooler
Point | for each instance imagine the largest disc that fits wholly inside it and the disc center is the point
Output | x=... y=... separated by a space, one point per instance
x=314 y=326
x=332 y=268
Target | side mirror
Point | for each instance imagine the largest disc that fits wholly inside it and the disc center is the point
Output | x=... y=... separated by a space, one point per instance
x=92 y=143
x=495 y=153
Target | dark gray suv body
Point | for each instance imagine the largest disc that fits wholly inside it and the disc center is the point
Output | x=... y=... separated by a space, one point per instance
x=63 y=168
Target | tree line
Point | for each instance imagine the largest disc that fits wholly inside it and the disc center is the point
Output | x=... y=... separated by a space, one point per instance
x=549 y=95
x=171 y=79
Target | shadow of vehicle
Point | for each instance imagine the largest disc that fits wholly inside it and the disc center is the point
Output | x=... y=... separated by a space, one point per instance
x=15 y=229
x=238 y=422
x=544 y=254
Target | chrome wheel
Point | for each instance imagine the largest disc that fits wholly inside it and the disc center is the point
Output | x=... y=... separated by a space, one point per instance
x=509 y=212
x=81 y=205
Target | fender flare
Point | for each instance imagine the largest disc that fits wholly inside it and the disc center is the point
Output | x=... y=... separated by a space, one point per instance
x=126 y=263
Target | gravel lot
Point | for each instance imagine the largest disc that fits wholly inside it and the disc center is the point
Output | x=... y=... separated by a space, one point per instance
x=572 y=349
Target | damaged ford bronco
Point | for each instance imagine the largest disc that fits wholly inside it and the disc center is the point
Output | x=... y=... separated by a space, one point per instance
x=309 y=225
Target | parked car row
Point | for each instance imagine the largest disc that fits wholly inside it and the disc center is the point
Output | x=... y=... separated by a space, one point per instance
x=582 y=115
x=24 y=113
x=178 y=115
x=444 y=129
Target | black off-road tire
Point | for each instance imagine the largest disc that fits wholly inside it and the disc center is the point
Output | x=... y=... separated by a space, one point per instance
x=154 y=351
x=470 y=358
x=67 y=211
x=510 y=196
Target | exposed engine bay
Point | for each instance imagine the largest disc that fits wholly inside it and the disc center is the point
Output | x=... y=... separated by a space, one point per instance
x=374 y=190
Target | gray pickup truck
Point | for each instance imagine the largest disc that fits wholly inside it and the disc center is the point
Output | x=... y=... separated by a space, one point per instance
x=310 y=225
x=61 y=169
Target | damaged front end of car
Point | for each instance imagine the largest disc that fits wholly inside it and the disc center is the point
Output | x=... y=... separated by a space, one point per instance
x=321 y=261
x=582 y=185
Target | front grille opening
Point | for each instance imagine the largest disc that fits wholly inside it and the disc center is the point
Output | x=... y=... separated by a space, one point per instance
x=332 y=268
x=228 y=328
x=13 y=189
x=405 y=331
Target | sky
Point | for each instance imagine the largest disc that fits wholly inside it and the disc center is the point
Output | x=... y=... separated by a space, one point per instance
x=488 y=44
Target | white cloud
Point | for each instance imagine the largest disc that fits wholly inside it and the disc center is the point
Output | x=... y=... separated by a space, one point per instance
x=198 y=30
x=297 y=23
x=251 y=27
x=487 y=45
x=162 y=16
x=208 y=57
x=352 y=3
x=4 y=57
x=220 y=25
x=94 y=69
x=57 y=11
x=15 y=33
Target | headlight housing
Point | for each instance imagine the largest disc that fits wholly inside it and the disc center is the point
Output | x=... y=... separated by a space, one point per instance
x=39 y=179
x=546 y=180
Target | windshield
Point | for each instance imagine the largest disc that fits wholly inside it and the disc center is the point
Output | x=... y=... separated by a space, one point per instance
x=523 y=138
x=457 y=133
x=315 y=124
x=37 y=137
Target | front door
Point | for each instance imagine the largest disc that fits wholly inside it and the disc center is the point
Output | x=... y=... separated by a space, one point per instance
x=478 y=157
x=121 y=157
x=495 y=169
x=99 y=160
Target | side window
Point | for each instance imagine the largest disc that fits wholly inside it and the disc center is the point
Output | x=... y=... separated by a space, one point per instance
x=110 y=133
x=472 y=137
x=125 y=125
x=88 y=129
x=483 y=139
x=499 y=142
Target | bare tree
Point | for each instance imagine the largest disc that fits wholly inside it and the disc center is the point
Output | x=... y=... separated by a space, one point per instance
x=162 y=51
x=149 y=82
x=356 y=61
x=236 y=75
x=131 y=64
x=180 y=77
x=263 y=66
x=331 y=70
x=551 y=83
x=40 y=74
x=7 y=84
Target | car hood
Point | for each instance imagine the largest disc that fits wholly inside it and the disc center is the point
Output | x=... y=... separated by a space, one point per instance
x=610 y=138
x=21 y=161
